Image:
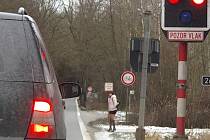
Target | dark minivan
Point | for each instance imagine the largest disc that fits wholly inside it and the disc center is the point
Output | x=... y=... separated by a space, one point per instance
x=31 y=104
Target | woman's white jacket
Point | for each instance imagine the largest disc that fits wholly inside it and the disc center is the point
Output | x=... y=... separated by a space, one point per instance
x=112 y=103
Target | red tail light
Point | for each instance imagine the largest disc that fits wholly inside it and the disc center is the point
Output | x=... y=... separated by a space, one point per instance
x=42 y=106
x=42 y=123
x=40 y=128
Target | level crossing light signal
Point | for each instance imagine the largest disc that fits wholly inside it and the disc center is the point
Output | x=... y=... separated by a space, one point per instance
x=198 y=2
x=185 y=15
x=173 y=1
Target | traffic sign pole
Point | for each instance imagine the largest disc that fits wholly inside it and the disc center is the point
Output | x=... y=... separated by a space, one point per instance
x=181 y=91
x=128 y=78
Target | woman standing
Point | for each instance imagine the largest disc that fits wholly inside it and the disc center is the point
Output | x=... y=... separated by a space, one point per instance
x=112 y=110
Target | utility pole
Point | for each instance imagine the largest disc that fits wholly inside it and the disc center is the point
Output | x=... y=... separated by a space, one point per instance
x=140 y=132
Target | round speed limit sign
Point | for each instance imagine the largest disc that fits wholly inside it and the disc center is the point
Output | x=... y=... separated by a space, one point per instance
x=128 y=78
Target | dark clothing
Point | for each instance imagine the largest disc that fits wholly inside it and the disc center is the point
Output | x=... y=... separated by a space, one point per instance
x=113 y=112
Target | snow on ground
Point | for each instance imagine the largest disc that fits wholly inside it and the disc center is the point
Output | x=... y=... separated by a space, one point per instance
x=125 y=132
x=128 y=132
x=122 y=133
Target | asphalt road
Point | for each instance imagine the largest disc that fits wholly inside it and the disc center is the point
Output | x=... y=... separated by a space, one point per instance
x=72 y=121
x=77 y=122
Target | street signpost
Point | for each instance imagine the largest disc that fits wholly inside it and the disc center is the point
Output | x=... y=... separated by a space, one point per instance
x=128 y=78
x=108 y=86
x=90 y=89
x=132 y=92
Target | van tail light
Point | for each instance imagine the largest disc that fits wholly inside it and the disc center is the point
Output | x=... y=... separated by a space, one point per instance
x=41 y=128
x=42 y=124
x=42 y=106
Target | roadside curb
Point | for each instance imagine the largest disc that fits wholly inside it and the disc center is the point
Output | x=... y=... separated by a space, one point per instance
x=84 y=132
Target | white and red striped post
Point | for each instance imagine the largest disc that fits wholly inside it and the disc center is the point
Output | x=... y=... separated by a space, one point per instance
x=181 y=90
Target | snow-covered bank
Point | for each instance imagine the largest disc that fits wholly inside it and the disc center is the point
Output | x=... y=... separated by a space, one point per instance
x=125 y=132
x=128 y=132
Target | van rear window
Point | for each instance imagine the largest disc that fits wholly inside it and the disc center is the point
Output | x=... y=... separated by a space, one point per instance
x=14 y=62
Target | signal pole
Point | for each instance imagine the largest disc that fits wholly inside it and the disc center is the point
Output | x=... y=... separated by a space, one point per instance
x=181 y=92
x=183 y=22
x=140 y=132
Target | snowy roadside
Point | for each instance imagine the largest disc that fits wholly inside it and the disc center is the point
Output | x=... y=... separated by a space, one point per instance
x=162 y=133
x=98 y=130
x=88 y=117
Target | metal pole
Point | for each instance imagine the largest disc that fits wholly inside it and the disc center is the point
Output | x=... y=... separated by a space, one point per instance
x=127 y=105
x=181 y=91
x=140 y=132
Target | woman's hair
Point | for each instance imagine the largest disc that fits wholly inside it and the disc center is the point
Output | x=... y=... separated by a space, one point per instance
x=110 y=92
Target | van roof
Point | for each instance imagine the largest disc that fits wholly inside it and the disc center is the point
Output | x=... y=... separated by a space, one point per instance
x=11 y=16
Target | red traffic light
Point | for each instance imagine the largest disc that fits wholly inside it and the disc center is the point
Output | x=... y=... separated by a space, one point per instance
x=198 y=2
x=173 y=1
